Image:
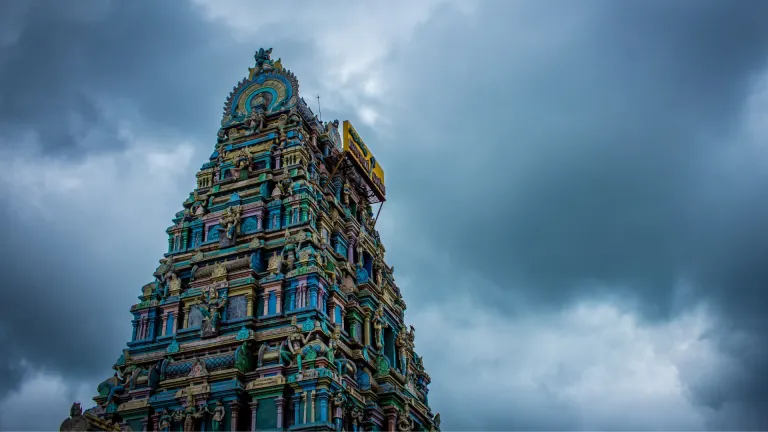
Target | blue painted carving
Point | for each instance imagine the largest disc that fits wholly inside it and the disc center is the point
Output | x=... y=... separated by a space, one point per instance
x=256 y=261
x=195 y=317
x=213 y=233
x=307 y=325
x=363 y=379
x=337 y=314
x=173 y=347
x=237 y=307
x=249 y=225
x=197 y=238
x=362 y=275
x=235 y=198
x=272 y=303
x=169 y=325
x=324 y=327
x=243 y=334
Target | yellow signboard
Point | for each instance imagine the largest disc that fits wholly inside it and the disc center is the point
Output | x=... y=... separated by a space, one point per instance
x=362 y=157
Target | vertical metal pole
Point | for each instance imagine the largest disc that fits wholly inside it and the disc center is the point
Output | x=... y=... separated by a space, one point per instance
x=378 y=213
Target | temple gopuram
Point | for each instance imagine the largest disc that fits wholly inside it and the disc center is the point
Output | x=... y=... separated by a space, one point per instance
x=273 y=308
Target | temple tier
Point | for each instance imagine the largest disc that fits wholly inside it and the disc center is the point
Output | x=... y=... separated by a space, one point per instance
x=273 y=308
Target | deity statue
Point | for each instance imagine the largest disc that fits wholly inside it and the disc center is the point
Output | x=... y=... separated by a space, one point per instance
x=273 y=266
x=331 y=125
x=218 y=414
x=164 y=423
x=174 y=285
x=357 y=418
x=211 y=310
x=229 y=221
x=199 y=207
x=348 y=285
x=189 y=414
x=338 y=409
x=345 y=195
x=243 y=358
x=222 y=136
x=116 y=385
x=378 y=325
x=404 y=421
x=76 y=420
x=263 y=59
x=401 y=343
x=436 y=423
x=331 y=353
x=304 y=255
x=256 y=120
x=290 y=349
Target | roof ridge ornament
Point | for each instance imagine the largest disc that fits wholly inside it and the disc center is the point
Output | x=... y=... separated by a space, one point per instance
x=264 y=63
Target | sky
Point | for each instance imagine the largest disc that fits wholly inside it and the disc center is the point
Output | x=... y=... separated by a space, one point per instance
x=576 y=191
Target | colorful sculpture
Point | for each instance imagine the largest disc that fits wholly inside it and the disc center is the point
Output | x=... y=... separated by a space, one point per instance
x=276 y=244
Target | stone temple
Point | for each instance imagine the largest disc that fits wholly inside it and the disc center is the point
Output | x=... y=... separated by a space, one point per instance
x=273 y=308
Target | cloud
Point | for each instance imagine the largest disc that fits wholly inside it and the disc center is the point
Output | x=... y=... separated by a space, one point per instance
x=575 y=192
x=77 y=261
x=589 y=366
x=610 y=154
x=28 y=407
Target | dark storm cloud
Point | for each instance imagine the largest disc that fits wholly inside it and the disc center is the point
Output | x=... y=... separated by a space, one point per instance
x=598 y=145
x=63 y=65
x=555 y=151
x=60 y=62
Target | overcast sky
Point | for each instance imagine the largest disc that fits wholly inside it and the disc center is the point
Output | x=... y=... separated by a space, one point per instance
x=577 y=191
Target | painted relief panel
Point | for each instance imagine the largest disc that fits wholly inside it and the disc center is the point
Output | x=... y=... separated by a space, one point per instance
x=237 y=307
x=195 y=317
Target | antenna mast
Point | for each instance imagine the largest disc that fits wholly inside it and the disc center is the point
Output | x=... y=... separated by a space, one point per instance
x=319 y=111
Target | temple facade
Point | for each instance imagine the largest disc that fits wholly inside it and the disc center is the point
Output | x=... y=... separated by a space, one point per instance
x=273 y=308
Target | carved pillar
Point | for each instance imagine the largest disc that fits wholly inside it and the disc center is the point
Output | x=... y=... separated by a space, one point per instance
x=351 y=252
x=155 y=422
x=175 y=322
x=234 y=407
x=259 y=225
x=367 y=331
x=249 y=304
x=304 y=407
x=278 y=302
x=312 y=407
x=296 y=410
x=163 y=331
x=151 y=332
x=313 y=296
x=186 y=316
x=391 y=416
x=266 y=303
x=254 y=408
x=280 y=402
x=135 y=334
x=323 y=407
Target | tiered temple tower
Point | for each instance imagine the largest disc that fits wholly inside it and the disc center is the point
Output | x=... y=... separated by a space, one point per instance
x=273 y=308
